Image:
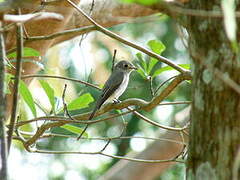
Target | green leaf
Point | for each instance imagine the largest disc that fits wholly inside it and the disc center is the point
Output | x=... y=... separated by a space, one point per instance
x=168 y=68
x=152 y=63
x=81 y=102
x=141 y=72
x=142 y=63
x=27 y=96
x=156 y=46
x=74 y=129
x=50 y=93
x=27 y=52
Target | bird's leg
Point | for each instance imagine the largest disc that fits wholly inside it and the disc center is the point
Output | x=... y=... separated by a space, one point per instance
x=116 y=101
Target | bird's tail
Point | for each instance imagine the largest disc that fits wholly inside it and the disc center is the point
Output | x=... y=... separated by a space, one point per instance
x=99 y=103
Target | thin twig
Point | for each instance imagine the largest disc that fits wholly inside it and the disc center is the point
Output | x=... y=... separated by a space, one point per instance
x=84 y=36
x=65 y=110
x=91 y=85
x=175 y=103
x=16 y=83
x=65 y=120
x=142 y=160
x=49 y=135
x=84 y=117
x=41 y=130
x=108 y=155
x=81 y=30
x=124 y=126
x=114 y=57
x=84 y=130
x=162 y=84
x=127 y=42
x=155 y=123
x=151 y=86
x=105 y=146
x=66 y=32
x=59 y=77
x=124 y=104
x=92 y=6
x=3 y=142
x=156 y=100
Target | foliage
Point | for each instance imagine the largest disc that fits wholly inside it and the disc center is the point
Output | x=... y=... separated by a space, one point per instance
x=80 y=102
x=27 y=52
x=148 y=67
x=27 y=96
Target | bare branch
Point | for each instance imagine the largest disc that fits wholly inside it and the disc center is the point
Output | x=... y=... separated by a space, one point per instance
x=157 y=124
x=180 y=78
x=49 y=135
x=16 y=83
x=59 y=77
x=3 y=142
x=35 y=16
x=57 y=34
x=59 y=121
x=65 y=109
x=108 y=155
x=127 y=42
x=156 y=150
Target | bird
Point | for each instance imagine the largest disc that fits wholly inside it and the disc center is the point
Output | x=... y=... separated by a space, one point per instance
x=116 y=84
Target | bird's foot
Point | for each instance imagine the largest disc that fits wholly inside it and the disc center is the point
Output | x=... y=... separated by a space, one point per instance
x=116 y=101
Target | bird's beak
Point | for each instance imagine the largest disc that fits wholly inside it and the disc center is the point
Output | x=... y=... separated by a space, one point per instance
x=133 y=67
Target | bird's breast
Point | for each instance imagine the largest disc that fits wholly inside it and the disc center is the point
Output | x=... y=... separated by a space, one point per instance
x=121 y=88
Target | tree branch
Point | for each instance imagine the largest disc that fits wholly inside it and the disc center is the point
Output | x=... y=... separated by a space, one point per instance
x=107 y=13
x=3 y=142
x=157 y=150
x=16 y=83
x=81 y=30
x=180 y=78
x=82 y=118
x=127 y=42
x=59 y=77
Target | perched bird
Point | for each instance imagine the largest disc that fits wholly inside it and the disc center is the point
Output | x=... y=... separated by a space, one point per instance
x=115 y=85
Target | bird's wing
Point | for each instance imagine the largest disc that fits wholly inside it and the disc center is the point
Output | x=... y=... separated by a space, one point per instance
x=111 y=85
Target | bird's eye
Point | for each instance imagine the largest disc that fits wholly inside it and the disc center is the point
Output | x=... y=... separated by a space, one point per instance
x=125 y=65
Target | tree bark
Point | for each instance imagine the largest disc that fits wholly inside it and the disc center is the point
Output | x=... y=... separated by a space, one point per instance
x=215 y=117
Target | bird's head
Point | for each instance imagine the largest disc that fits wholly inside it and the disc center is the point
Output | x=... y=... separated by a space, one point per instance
x=125 y=66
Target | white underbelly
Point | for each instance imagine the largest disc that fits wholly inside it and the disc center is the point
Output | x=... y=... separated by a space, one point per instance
x=121 y=89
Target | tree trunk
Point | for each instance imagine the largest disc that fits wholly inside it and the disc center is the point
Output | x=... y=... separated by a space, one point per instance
x=215 y=117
